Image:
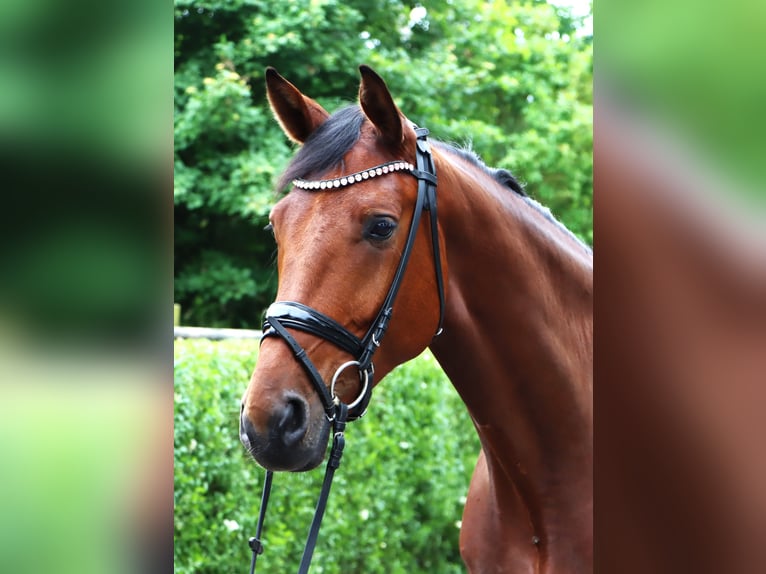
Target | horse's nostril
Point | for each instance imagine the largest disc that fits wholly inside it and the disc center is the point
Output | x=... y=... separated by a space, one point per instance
x=293 y=422
x=247 y=433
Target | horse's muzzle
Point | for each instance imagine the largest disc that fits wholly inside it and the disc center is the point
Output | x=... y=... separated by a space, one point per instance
x=290 y=441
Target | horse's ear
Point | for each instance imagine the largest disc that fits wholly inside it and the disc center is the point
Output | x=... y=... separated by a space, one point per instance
x=298 y=115
x=379 y=106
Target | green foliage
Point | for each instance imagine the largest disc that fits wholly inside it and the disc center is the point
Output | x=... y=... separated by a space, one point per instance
x=511 y=79
x=396 y=500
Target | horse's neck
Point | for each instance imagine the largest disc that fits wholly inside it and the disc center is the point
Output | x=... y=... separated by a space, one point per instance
x=517 y=340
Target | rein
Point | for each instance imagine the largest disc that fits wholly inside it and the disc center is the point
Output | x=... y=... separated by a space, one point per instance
x=283 y=315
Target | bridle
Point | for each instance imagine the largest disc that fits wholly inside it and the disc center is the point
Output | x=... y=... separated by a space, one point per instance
x=284 y=315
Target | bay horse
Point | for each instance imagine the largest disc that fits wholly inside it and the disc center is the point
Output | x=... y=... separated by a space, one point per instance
x=498 y=289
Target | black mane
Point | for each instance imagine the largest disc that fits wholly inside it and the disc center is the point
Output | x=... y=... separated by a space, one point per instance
x=326 y=147
x=502 y=176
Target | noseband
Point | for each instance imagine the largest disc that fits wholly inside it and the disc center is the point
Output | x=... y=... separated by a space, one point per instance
x=284 y=315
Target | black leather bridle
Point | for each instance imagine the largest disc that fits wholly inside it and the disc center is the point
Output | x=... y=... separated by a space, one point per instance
x=284 y=315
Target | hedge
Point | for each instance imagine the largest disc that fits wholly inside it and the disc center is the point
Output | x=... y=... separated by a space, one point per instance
x=396 y=501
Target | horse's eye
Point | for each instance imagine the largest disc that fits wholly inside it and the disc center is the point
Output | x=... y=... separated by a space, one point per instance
x=380 y=228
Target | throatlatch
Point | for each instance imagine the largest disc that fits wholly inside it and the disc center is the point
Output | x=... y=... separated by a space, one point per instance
x=284 y=315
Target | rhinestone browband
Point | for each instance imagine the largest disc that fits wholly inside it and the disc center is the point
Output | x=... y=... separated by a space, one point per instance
x=390 y=167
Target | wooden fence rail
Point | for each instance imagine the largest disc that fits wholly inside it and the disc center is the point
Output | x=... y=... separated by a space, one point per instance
x=214 y=334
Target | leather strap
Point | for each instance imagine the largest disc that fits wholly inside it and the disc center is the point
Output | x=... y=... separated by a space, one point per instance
x=426 y=173
x=308 y=366
x=333 y=462
x=374 y=336
x=255 y=542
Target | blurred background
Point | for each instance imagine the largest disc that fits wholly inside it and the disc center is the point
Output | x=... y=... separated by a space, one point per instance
x=680 y=287
x=85 y=286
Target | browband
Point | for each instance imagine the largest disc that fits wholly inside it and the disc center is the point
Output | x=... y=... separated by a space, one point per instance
x=382 y=169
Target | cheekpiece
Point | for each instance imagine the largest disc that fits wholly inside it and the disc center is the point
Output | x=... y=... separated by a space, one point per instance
x=382 y=169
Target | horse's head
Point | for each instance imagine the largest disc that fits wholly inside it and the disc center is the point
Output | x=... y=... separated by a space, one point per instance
x=340 y=242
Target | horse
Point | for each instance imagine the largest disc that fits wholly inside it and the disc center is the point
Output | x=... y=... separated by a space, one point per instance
x=495 y=286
